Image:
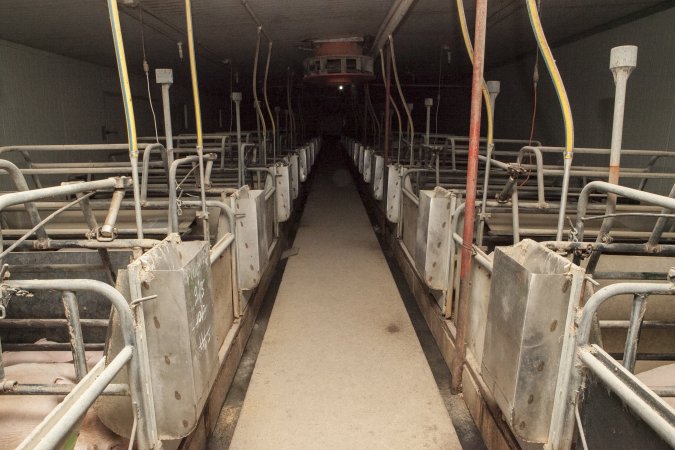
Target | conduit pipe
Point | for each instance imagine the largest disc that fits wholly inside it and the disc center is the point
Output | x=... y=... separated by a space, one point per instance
x=405 y=104
x=198 y=117
x=470 y=202
x=386 y=77
x=393 y=104
x=564 y=105
x=256 y=102
x=113 y=12
x=267 y=103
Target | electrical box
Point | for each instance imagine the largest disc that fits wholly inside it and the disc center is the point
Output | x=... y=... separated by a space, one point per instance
x=164 y=76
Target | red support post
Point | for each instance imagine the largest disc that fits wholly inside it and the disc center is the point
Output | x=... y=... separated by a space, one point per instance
x=470 y=203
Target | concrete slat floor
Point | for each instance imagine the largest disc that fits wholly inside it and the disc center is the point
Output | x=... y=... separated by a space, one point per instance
x=340 y=365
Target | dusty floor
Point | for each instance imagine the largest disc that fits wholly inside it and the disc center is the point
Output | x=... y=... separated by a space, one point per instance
x=341 y=365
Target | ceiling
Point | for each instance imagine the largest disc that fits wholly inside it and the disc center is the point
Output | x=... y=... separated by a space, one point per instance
x=224 y=31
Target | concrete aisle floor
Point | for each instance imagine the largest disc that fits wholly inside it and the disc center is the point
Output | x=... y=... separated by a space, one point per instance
x=340 y=365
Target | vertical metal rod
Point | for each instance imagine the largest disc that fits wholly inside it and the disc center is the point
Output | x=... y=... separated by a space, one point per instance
x=90 y=218
x=267 y=103
x=470 y=202
x=623 y=61
x=661 y=223
x=633 y=336
x=75 y=333
x=428 y=103
x=168 y=131
x=493 y=88
x=364 y=138
x=387 y=107
x=198 y=117
x=515 y=218
x=236 y=98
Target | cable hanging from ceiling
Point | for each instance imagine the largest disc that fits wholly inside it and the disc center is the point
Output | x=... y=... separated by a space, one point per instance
x=146 y=69
x=403 y=101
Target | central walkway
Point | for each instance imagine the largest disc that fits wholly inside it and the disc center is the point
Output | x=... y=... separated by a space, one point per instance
x=340 y=365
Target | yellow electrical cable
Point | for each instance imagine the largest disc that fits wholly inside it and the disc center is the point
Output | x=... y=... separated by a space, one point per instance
x=469 y=50
x=193 y=73
x=124 y=78
x=128 y=110
x=555 y=76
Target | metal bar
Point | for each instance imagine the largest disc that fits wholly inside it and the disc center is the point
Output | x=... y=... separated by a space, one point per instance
x=52 y=430
x=663 y=426
x=387 y=106
x=72 y=313
x=21 y=185
x=61 y=389
x=601 y=186
x=470 y=201
x=604 y=294
x=139 y=396
x=51 y=346
x=633 y=336
x=108 y=228
x=50 y=323
x=661 y=223
x=655 y=324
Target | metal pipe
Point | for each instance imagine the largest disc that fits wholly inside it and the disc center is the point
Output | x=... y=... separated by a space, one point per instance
x=493 y=88
x=470 y=202
x=267 y=103
x=660 y=424
x=661 y=223
x=146 y=436
x=515 y=219
x=108 y=227
x=167 y=159
x=198 y=117
x=604 y=294
x=386 y=74
x=168 y=132
x=173 y=210
x=428 y=103
x=236 y=98
x=21 y=185
x=72 y=313
x=633 y=336
x=406 y=107
x=74 y=408
x=601 y=186
x=121 y=390
x=546 y=53
x=128 y=109
x=539 y=160
x=622 y=62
